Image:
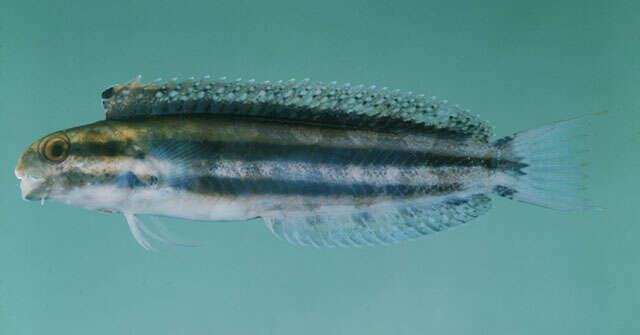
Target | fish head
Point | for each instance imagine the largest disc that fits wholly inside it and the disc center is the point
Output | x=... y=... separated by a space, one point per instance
x=62 y=162
x=40 y=166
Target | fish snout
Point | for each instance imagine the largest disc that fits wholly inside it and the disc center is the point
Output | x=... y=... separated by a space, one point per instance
x=33 y=188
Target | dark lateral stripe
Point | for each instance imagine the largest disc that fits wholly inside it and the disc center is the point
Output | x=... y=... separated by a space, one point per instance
x=110 y=149
x=265 y=186
x=252 y=151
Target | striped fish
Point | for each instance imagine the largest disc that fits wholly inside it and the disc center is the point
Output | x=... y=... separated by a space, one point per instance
x=325 y=165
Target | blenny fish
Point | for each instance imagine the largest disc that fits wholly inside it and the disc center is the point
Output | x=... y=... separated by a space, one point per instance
x=325 y=165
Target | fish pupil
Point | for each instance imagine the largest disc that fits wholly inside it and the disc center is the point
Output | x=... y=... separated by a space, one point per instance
x=57 y=150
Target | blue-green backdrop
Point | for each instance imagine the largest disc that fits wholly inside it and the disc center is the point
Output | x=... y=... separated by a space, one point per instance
x=519 y=270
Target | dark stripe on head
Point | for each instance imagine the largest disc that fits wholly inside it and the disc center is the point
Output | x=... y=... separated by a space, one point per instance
x=108 y=149
x=111 y=148
x=75 y=178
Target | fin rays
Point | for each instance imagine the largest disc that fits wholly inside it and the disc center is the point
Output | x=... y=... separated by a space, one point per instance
x=299 y=101
x=139 y=230
x=377 y=227
x=134 y=227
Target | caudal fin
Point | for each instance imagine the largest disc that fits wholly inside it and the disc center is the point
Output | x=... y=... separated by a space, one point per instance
x=546 y=164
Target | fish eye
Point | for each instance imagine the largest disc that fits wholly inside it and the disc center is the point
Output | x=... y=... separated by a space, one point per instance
x=55 y=149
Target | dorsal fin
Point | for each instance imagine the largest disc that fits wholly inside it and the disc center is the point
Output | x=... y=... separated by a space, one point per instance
x=295 y=101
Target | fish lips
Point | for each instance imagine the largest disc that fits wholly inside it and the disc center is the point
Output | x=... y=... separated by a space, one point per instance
x=34 y=188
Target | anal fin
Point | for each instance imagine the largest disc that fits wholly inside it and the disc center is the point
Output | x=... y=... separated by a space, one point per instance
x=377 y=227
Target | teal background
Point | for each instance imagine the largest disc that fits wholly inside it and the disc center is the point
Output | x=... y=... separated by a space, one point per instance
x=520 y=270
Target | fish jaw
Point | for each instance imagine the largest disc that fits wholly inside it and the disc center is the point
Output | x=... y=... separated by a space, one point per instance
x=34 y=188
x=32 y=185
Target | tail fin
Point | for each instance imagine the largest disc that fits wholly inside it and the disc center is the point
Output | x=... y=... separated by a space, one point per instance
x=546 y=163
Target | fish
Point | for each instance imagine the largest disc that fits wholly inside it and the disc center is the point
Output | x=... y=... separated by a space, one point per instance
x=323 y=165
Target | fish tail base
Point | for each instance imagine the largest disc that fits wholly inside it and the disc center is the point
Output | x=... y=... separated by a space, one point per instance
x=545 y=165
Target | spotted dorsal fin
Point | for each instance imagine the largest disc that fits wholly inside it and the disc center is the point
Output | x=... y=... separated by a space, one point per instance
x=295 y=101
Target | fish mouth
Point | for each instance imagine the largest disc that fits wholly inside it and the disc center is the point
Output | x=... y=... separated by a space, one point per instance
x=33 y=187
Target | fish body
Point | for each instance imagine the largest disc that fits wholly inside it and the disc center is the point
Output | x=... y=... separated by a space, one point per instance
x=316 y=171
